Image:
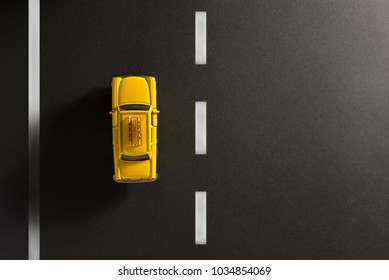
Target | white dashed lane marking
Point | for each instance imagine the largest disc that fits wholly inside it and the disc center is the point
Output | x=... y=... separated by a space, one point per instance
x=201 y=127
x=200 y=218
x=33 y=129
x=201 y=37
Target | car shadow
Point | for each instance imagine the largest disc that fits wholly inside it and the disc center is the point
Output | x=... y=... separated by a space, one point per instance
x=77 y=163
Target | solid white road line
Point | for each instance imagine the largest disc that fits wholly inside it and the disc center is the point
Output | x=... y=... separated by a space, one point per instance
x=200 y=218
x=201 y=127
x=201 y=37
x=33 y=129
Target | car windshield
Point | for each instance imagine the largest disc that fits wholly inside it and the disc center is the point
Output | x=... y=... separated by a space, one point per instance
x=134 y=107
x=135 y=158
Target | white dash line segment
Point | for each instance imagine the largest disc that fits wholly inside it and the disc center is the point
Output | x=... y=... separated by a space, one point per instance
x=201 y=127
x=201 y=38
x=201 y=218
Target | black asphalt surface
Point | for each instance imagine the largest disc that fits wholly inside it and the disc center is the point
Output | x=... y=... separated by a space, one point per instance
x=14 y=130
x=297 y=157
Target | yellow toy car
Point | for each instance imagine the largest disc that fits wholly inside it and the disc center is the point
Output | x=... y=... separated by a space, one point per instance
x=134 y=129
